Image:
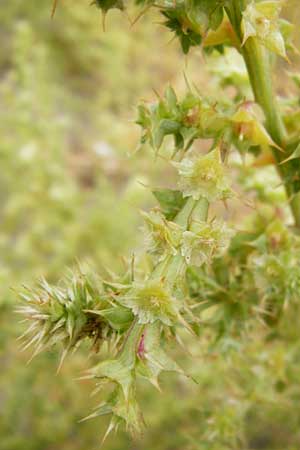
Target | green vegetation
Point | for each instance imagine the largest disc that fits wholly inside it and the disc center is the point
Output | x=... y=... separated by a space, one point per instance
x=200 y=304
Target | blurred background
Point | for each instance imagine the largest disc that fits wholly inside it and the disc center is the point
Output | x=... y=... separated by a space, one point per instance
x=71 y=187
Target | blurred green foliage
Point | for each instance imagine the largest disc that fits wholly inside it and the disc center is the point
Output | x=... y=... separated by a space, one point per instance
x=69 y=190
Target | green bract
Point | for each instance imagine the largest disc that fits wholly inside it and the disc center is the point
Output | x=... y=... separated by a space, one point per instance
x=168 y=117
x=121 y=411
x=153 y=359
x=204 y=176
x=170 y=201
x=195 y=118
x=106 y=5
x=248 y=125
x=186 y=120
x=190 y=20
x=178 y=22
x=121 y=372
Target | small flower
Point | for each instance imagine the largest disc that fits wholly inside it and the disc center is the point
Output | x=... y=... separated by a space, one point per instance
x=204 y=177
x=164 y=236
x=152 y=301
x=261 y=20
x=208 y=241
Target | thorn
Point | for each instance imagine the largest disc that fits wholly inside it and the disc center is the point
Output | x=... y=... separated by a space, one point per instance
x=187 y=82
x=54 y=6
x=156 y=384
x=140 y=15
x=110 y=428
x=103 y=21
x=62 y=358
x=128 y=17
x=132 y=267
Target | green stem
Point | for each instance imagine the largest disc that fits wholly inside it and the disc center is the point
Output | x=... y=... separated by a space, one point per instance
x=173 y=267
x=127 y=354
x=185 y=213
x=295 y=206
x=259 y=68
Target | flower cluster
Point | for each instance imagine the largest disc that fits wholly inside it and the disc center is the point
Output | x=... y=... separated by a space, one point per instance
x=196 y=117
x=132 y=313
x=68 y=314
x=198 y=245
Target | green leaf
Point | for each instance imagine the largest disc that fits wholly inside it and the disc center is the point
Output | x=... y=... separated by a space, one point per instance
x=205 y=14
x=118 y=317
x=106 y=5
x=114 y=370
x=177 y=21
x=171 y=99
x=170 y=201
x=248 y=125
x=164 y=128
x=120 y=370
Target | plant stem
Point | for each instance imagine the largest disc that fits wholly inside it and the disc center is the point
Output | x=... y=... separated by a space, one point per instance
x=172 y=267
x=192 y=210
x=257 y=59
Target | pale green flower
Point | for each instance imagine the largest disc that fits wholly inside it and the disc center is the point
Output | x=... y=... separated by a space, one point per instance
x=261 y=20
x=151 y=301
x=164 y=236
x=204 y=177
x=208 y=240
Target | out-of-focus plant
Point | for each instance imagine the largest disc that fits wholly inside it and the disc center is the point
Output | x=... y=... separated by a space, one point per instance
x=198 y=275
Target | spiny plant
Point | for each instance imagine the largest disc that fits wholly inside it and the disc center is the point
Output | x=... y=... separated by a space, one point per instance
x=195 y=261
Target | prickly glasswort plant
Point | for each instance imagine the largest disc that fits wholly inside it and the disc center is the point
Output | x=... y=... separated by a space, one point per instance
x=196 y=261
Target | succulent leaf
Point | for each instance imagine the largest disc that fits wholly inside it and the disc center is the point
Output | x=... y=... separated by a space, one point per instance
x=170 y=202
